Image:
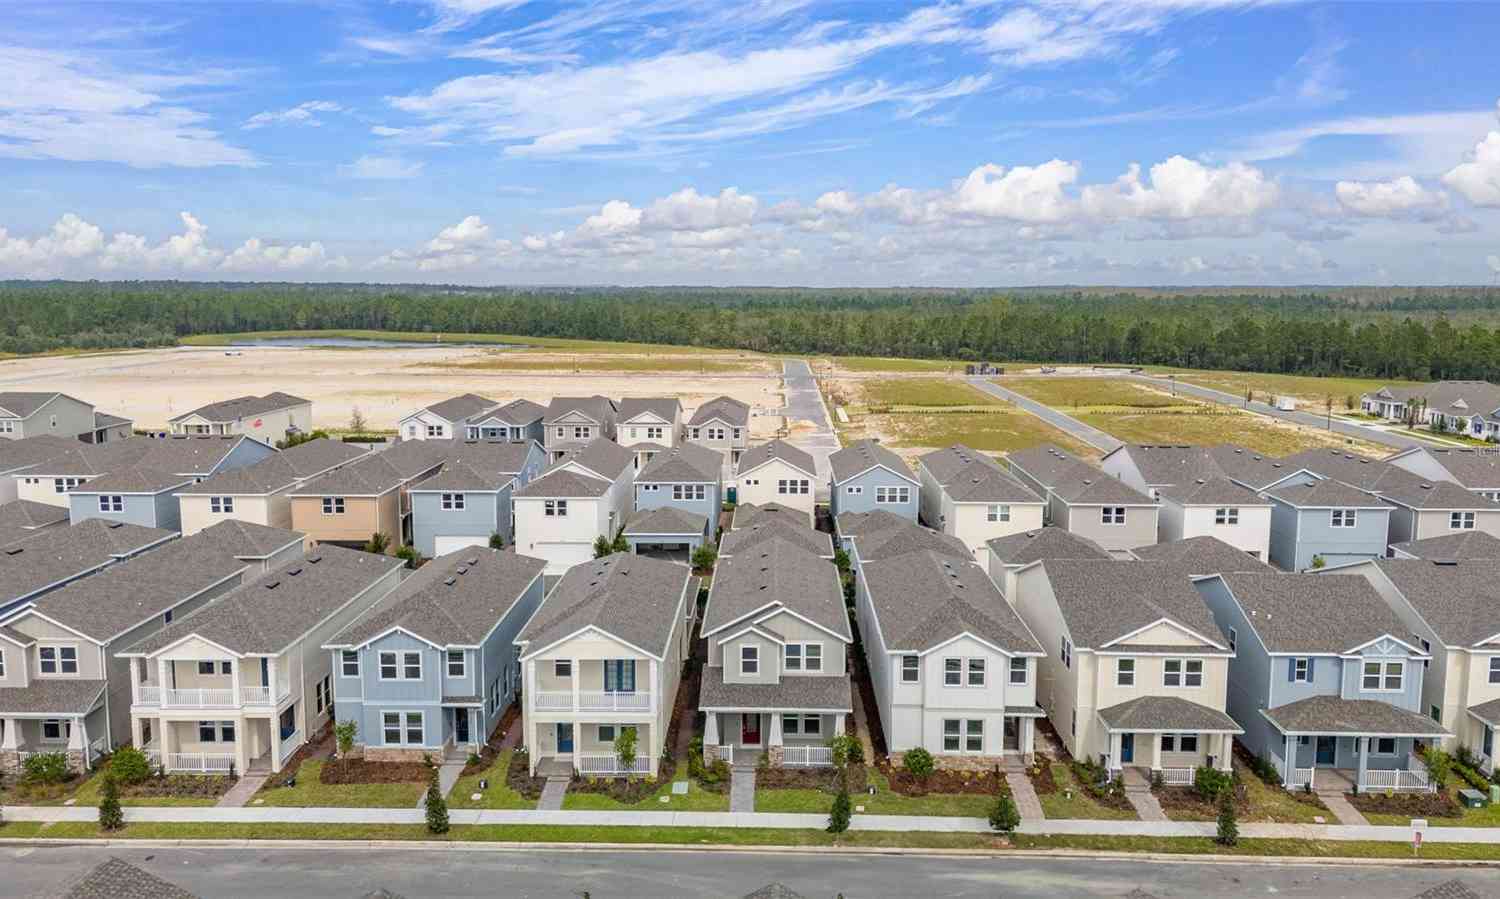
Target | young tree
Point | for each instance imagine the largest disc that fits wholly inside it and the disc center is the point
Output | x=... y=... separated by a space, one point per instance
x=704 y=557
x=378 y=543
x=111 y=816
x=625 y=747
x=620 y=544
x=838 y=816
x=1005 y=817
x=343 y=734
x=497 y=541
x=1229 y=830
x=602 y=547
x=437 y=806
x=357 y=422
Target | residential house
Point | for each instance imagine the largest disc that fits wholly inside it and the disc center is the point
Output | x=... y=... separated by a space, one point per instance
x=649 y=425
x=776 y=472
x=191 y=458
x=21 y=454
x=1149 y=467
x=776 y=680
x=585 y=495
x=261 y=493
x=1393 y=403
x=953 y=667
x=1136 y=669
x=430 y=670
x=244 y=681
x=137 y=495
x=668 y=531
x=1325 y=522
x=1423 y=509
x=108 y=428
x=865 y=476
x=573 y=422
x=769 y=527
x=1009 y=555
x=1477 y=470
x=369 y=496
x=57 y=556
x=24 y=518
x=517 y=420
x=468 y=500
x=1215 y=507
x=270 y=418
x=1253 y=470
x=63 y=685
x=1326 y=681
x=35 y=413
x=1463 y=546
x=444 y=420
x=604 y=653
x=972 y=497
x=1466 y=407
x=1199 y=556
x=687 y=477
x=1085 y=500
x=746 y=514
x=262 y=549
x=722 y=423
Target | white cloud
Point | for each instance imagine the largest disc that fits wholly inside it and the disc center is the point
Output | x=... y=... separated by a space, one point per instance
x=465 y=245
x=687 y=210
x=1182 y=188
x=301 y=114
x=837 y=202
x=255 y=255
x=1479 y=178
x=1024 y=193
x=1387 y=198
x=1420 y=144
x=381 y=168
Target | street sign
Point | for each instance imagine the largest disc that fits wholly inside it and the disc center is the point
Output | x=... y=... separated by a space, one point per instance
x=1418 y=827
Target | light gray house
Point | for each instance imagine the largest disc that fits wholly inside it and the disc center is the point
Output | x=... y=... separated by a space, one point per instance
x=767 y=527
x=1325 y=522
x=777 y=679
x=723 y=424
x=194 y=458
x=1008 y=555
x=650 y=425
x=1326 y=680
x=48 y=560
x=1149 y=467
x=971 y=496
x=1422 y=509
x=865 y=476
x=1477 y=470
x=1468 y=407
x=687 y=477
x=468 y=500
x=22 y=454
x=270 y=419
x=444 y=420
x=517 y=420
x=433 y=666
x=136 y=495
x=572 y=422
x=33 y=413
x=1085 y=500
x=1464 y=546
x=668 y=531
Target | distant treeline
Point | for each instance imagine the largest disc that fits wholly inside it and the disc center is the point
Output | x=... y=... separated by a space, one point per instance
x=1377 y=332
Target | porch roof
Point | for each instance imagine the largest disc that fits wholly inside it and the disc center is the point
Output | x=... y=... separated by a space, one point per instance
x=62 y=696
x=1333 y=716
x=463 y=700
x=797 y=693
x=1487 y=712
x=1170 y=714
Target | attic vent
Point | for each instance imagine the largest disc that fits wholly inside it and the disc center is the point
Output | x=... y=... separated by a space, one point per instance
x=313 y=560
x=15 y=552
x=764 y=586
x=272 y=585
x=1425 y=486
x=462 y=570
x=113 y=525
x=471 y=561
x=294 y=571
x=448 y=581
x=1446 y=563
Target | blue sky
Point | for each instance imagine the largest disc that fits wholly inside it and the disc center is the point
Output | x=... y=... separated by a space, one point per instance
x=771 y=142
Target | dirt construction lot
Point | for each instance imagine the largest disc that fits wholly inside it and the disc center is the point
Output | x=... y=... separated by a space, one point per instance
x=152 y=386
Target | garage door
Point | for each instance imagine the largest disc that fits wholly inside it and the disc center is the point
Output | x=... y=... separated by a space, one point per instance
x=444 y=545
x=561 y=556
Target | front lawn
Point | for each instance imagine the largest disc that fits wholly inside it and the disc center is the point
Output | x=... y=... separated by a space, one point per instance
x=696 y=799
x=1485 y=816
x=159 y=791
x=498 y=796
x=1263 y=803
x=1059 y=804
x=884 y=801
x=309 y=791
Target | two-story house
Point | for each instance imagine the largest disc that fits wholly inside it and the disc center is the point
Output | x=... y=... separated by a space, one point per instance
x=973 y=497
x=468 y=500
x=1326 y=680
x=1085 y=500
x=1422 y=509
x=604 y=652
x=1450 y=607
x=191 y=458
x=1219 y=508
x=270 y=418
x=649 y=425
x=1150 y=467
x=35 y=413
x=431 y=669
x=260 y=548
x=1136 y=670
x=777 y=472
x=723 y=424
x=1202 y=556
x=1009 y=555
x=22 y=454
x=776 y=680
x=573 y=422
x=771 y=525
x=242 y=682
x=23 y=518
x=444 y=420
x=63 y=685
x=136 y=495
x=261 y=493
x=585 y=495
x=868 y=536
x=517 y=420
x=678 y=496
x=865 y=476
x=369 y=496
x=45 y=561
x=1476 y=470
x=1463 y=546
x=1325 y=522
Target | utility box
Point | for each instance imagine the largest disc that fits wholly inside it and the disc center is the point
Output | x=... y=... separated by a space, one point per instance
x=1471 y=798
x=1495 y=793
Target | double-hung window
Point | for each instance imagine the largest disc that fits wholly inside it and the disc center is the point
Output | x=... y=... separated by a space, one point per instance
x=221 y=505
x=687 y=491
x=1019 y=671
x=402 y=728
x=111 y=503
x=452 y=502
x=1112 y=515
x=1124 y=672
x=963 y=735
x=1179 y=742
x=349 y=663
x=333 y=505
x=388 y=667
x=997 y=513
x=911 y=669
x=56 y=730
x=749 y=660
x=581 y=432
x=1461 y=521
x=792 y=487
x=57 y=659
x=619 y=675
x=1301 y=670
x=456 y=666
x=434 y=430
x=411 y=666
x=1230 y=515
x=804 y=657
x=555 y=508
x=1182 y=673
x=976 y=673
x=1067 y=653
x=953 y=672
x=1383 y=676
x=1341 y=518
x=1495 y=669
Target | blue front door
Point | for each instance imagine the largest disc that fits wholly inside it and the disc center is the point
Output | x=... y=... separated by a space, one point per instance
x=564 y=737
x=1127 y=749
x=1326 y=750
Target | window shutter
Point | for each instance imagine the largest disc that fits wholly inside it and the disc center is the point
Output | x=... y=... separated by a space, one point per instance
x=628 y=667
x=611 y=676
x=1310 y=661
x=1291 y=670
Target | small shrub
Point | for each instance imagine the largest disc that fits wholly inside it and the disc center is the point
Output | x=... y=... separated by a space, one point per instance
x=1005 y=817
x=46 y=768
x=841 y=560
x=111 y=816
x=130 y=765
x=1439 y=767
x=497 y=541
x=437 y=807
x=602 y=546
x=1210 y=783
x=409 y=555
x=378 y=543
x=704 y=557
x=1262 y=768
x=918 y=763
x=625 y=747
x=620 y=544
x=843 y=748
x=474 y=760
x=838 y=815
x=343 y=734
x=1229 y=830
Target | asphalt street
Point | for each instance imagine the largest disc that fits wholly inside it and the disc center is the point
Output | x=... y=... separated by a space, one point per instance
x=804 y=402
x=356 y=872
x=1090 y=435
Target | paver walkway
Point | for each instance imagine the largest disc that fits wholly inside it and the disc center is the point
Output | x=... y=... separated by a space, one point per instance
x=242 y=792
x=1027 y=802
x=742 y=788
x=1342 y=810
x=552 y=794
x=1138 y=791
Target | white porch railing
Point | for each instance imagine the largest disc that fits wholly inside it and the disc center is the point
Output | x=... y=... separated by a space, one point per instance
x=197 y=697
x=1396 y=780
x=1302 y=777
x=1177 y=777
x=150 y=694
x=726 y=752
x=200 y=762
x=611 y=764
x=553 y=701
x=614 y=702
x=806 y=756
x=290 y=744
x=255 y=695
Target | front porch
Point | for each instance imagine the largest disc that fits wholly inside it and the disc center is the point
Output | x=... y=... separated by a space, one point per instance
x=23 y=737
x=587 y=748
x=1329 y=744
x=792 y=739
x=1167 y=736
x=232 y=745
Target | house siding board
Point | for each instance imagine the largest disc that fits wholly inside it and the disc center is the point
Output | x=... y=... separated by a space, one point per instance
x=864 y=501
x=1249 y=687
x=1315 y=537
x=1139 y=528
x=661 y=497
x=146 y=510
x=500 y=654
x=480 y=517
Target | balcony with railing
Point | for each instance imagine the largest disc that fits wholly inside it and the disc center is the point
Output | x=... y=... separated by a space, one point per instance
x=592 y=701
x=221 y=691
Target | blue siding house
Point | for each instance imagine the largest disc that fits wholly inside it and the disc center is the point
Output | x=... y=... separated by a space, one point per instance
x=1326 y=680
x=1325 y=520
x=142 y=496
x=467 y=501
x=432 y=667
x=866 y=477
x=688 y=476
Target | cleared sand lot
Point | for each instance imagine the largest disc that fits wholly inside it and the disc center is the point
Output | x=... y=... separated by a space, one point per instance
x=152 y=386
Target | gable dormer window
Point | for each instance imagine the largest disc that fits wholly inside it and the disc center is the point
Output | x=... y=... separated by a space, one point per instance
x=221 y=505
x=1384 y=677
x=749 y=660
x=1461 y=521
x=1112 y=515
x=57 y=660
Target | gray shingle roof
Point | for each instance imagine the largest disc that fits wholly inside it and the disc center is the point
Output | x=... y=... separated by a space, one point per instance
x=599 y=408
x=1450 y=397
x=1332 y=716
x=1353 y=469
x=16 y=636
x=29 y=451
x=62 y=696
x=24 y=403
x=518 y=412
x=969 y=476
x=724 y=408
x=881 y=535
x=666 y=520
x=135 y=479
x=1044 y=543
x=664 y=407
x=140 y=588
x=1254 y=470
x=1102 y=602
x=459 y=476
x=1459 y=601
x=1073 y=480
x=862 y=455
x=686 y=462
x=244 y=407
x=1460 y=546
x=461 y=407
x=1164 y=464
x=57 y=554
x=924 y=599
x=801 y=692
x=106 y=420
x=1325 y=494
x=378 y=472
x=600 y=455
x=634 y=598
x=746 y=514
x=267 y=614
x=1167 y=713
x=25 y=513
x=179 y=454
x=1211 y=491
x=279 y=471
x=564 y=483
x=1488 y=712
x=1326 y=613
x=756 y=456
x=1201 y=555
x=758 y=533
x=1476 y=469
x=246 y=539
x=117 y=879
x=451 y=601
x=1416 y=493
x=781 y=573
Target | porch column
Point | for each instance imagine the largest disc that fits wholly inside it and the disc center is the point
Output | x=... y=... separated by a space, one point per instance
x=775 y=730
x=275 y=744
x=710 y=728
x=1364 y=756
x=1156 y=752
x=531 y=739
x=271 y=682
x=242 y=730
x=578 y=730
x=838 y=725
x=137 y=733
x=1290 y=762
x=234 y=686
x=1114 y=750
x=162 y=681
x=1226 y=752
x=168 y=742
x=75 y=735
x=655 y=693
x=11 y=740
x=135 y=666
x=1028 y=738
x=575 y=679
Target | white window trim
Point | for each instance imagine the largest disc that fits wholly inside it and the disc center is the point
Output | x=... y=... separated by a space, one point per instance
x=997 y=512
x=1494 y=670
x=1120 y=672
x=893 y=496
x=1384 y=673
x=1112 y=516
x=1375 y=744
x=916 y=670
x=344 y=660
x=452 y=502
x=1227 y=516
x=568 y=662
x=334 y=505
x=1342 y=518
x=1301 y=667
x=802 y=646
x=963 y=736
x=754 y=659
x=463 y=664
x=1012 y=670
x=1461 y=521
x=1183 y=674
x=77 y=660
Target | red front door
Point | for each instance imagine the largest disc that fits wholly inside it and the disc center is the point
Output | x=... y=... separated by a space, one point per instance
x=750 y=730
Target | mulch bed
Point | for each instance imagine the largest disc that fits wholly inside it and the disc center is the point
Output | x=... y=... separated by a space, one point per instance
x=488 y=752
x=825 y=779
x=180 y=786
x=360 y=771
x=946 y=781
x=1411 y=805
x=625 y=789
x=519 y=779
x=1106 y=795
x=1040 y=774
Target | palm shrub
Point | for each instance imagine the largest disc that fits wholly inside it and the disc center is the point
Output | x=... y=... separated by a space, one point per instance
x=918 y=763
x=130 y=765
x=437 y=807
x=378 y=543
x=1005 y=817
x=111 y=816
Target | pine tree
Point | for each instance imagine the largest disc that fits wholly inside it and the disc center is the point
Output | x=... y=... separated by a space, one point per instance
x=437 y=807
x=111 y=816
x=838 y=816
x=1005 y=817
x=1229 y=831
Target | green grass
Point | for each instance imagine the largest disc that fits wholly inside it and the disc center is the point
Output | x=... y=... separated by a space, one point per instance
x=695 y=800
x=1206 y=426
x=926 y=392
x=1082 y=805
x=529 y=343
x=1264 y=803
x=884 y=802
x=1002 y=430
x=1484 y=816
x=877 y=363
x=88 y=794
x=310 y=792
x=1307 y=388
x=619 y=362
x=498 y=796
x=1067 y=394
